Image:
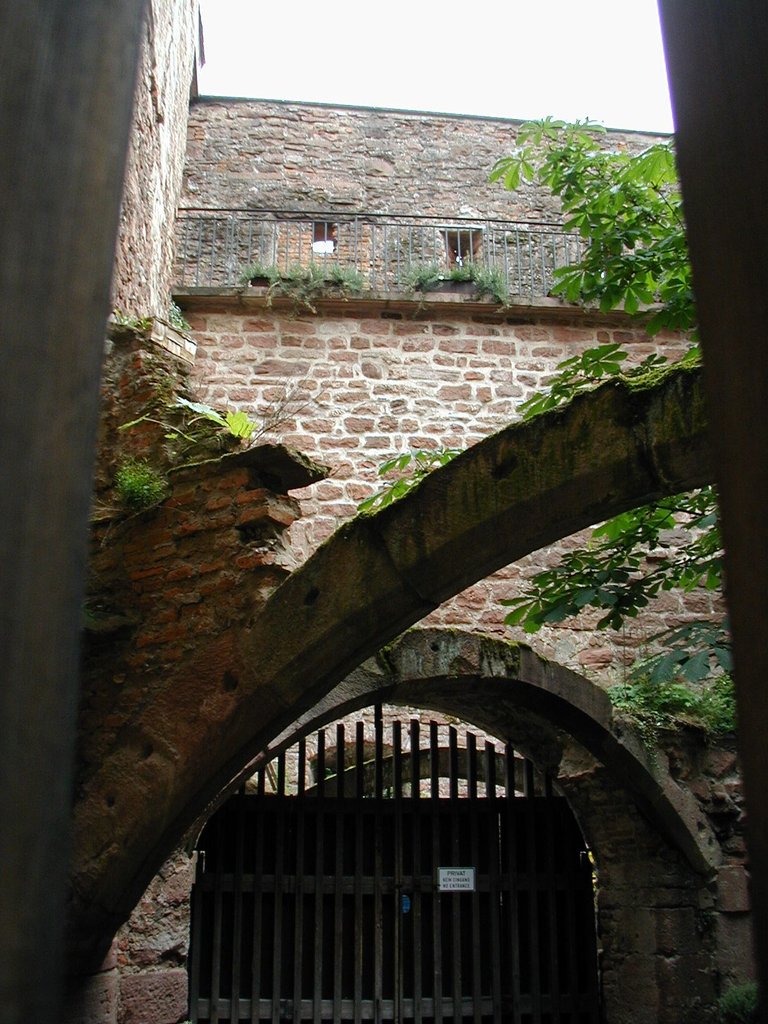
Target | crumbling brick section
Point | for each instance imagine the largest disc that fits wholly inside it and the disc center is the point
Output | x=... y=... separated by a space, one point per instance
x=171 y=587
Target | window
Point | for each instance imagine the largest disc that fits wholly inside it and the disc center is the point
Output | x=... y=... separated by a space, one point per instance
x=324 y=238
x=463 y=245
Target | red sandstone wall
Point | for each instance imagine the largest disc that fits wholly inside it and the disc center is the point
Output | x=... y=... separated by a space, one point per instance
x=375 y=386
x=144 y=259
x=257 y=154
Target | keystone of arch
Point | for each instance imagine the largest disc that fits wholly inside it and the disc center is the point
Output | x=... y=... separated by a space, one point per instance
x=512 y=692
x=515 y=492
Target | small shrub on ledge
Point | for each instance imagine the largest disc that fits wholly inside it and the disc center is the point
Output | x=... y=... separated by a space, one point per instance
x=305 y=285
x=428 y=277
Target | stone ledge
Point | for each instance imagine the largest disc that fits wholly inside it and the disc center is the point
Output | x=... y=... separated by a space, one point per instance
x=409 y=305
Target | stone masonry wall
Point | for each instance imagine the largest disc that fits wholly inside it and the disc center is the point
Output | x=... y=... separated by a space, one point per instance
x=376 y=383
x=262 y=155
x=144 y=258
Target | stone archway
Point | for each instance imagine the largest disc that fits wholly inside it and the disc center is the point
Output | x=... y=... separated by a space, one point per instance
x=513 y=493
x=655 y=851
x=541 y=707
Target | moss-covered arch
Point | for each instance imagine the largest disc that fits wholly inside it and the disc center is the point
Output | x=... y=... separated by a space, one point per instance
x=513 y=493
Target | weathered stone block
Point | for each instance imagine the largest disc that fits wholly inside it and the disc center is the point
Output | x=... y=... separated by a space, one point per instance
x=735 y=949
x=159 y=998
x=733 y=889
x=94 y=1002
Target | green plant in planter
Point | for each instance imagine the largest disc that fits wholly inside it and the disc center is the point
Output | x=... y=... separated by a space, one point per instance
x=138 y=485
x=424 y=277
x=257 y=271
x=304 y=285
x=489 y=281
x=738 y=1005
x=427 y=277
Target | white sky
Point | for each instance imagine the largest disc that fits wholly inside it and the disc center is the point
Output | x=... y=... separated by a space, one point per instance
x=601 y=59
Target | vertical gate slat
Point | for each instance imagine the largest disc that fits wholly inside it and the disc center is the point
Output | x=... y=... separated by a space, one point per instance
x=338 y=881
x=455 y=898
x=298 y=927
x=416 y=883
x=217 y=926
x=434 y=770
x=237 y=915
x=359 y=825
x=512 y=915
x=533 y=875
x=196 y=938
x=397 y=786
x=317 y=983
x=552 y=834
x=378 y=923
x=278 y=897
x=258 y=872
x=573 y=892
x=477 y=985
x=493 y=879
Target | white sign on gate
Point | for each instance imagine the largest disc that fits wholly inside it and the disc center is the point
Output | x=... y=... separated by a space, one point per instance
x=455 y=879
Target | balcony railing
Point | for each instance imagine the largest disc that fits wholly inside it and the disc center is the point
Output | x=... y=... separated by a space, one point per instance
x=215 y=247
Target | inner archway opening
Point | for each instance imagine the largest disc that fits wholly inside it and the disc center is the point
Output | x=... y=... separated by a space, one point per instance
x=394 y=869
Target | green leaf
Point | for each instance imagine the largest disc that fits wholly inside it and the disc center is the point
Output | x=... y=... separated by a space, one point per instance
x=239 y=425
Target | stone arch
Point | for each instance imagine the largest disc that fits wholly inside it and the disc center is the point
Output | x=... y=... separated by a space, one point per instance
x=510 y=691
x=517 y=491
x=655 y=850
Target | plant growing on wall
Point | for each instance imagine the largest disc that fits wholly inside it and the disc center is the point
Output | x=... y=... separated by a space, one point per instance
x=176 y=318
x=739 y=1004
x=138 y=485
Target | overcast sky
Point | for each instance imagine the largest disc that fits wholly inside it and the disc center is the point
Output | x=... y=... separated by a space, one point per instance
x=601 y=59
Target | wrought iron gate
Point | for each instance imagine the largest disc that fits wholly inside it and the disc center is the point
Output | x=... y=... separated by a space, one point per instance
x=326 y=905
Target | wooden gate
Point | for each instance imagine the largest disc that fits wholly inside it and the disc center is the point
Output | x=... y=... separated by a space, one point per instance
x=416 y=881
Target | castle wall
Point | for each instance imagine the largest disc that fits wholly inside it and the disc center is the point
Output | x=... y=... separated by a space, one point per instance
x=256 y=154
x=142 y=279
x=366 y=386
x=357 y=384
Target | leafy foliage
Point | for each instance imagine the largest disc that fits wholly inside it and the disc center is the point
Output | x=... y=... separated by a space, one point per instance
x=177 y=319
x=138 y=485
x=426 y=277
x=237 y=424
x=627 y=207
x=136 y=323
x=738 y=1004
x=631 y=558
x=305 y=284
x=409 y=468
x=663 y=705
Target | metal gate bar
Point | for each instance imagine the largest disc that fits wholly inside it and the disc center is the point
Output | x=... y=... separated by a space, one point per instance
x=318 y=901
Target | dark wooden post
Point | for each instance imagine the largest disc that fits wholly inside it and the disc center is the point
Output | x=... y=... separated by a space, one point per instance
x=717 y=56
x=67 y=74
